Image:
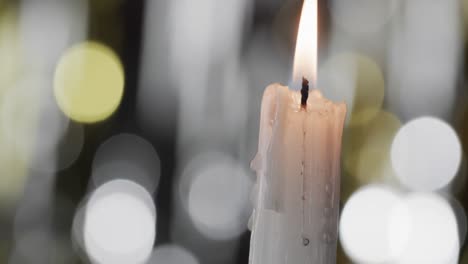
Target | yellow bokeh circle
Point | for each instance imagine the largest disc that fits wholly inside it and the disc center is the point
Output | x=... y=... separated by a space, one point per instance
x=367 y=149
x=89 y=82
x=356 y=79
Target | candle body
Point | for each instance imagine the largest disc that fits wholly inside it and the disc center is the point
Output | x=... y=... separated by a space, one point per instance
x=296 y=197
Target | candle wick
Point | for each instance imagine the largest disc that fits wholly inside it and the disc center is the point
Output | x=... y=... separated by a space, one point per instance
x=304 y=92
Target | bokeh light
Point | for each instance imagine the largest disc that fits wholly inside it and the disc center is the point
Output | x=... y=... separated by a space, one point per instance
x=202 y=42
x=119 y=224
x=12 y=179
x=460 y=215
x=89 y=82
x=426 y=154
x=423 y=59
x=127 y=156
x=355 y=79
x=10 y=51
x=18 y=126
x=218 y=195
x=365 y=224
x=432 y=234
x=172 y=254
x=26 y=246
x=70 y=146
x=29 y=113
x=61 y=140
x=109 y=108
x=367 y=148
x=19 y=115
x=77 y=227
x=62 y=23
x=363 y=16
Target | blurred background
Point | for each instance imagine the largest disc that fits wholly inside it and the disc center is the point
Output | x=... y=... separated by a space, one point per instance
x=142 y=118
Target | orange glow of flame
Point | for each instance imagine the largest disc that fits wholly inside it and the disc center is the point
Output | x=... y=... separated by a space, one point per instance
x=305 y=57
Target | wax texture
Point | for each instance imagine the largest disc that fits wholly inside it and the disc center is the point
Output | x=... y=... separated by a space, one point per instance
x=296 y=196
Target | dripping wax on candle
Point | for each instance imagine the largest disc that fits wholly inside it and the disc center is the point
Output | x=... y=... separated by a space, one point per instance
x=295 y=218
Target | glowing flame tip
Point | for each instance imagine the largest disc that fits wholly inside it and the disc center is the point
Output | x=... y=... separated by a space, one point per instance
x=305 y=57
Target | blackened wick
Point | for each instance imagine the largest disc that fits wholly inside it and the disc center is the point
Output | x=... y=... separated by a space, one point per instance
x=304 y=92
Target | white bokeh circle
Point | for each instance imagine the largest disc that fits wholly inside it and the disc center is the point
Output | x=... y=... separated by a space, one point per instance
x=365 y=224
x=119 y=223
x=426 y=154
x=215 y=189
x=430 y=228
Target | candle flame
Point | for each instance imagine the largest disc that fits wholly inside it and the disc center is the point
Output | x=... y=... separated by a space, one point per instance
x=305 y=58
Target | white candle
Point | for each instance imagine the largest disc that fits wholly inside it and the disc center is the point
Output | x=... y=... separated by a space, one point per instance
x=298 y=166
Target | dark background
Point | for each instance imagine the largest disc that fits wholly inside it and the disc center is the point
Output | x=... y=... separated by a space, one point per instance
x=262 y=53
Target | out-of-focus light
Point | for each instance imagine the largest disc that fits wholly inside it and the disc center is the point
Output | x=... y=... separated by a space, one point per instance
x=431 y=229
x=263 y=65
x=89 y=82
x=77 y=235
x=48 y=27
x=357 y=80
x=70 y=146
x=172 y=254
x=460 y=215
x=28 y=114
x=119 y=224
x=218 y=195
x=365 y=224
x=423 y=59
x=462 y=125
x=60 y=141
x=155 y=95
x=218 y=36
x=30 y=246
x=465 y=18
x=367 y=148
x=20 y=113
x=127 y=156
x=18 y=125
x=426 y=154
x=62 y=252
x=10 y=52
x=363 y=16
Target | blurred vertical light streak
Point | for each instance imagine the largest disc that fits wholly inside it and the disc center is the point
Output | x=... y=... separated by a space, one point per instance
x=372 y=45
x=9 y=48
x=363 y=17
x=423 y=58
x=156 y=96
x=34 y=215
x=200 y=62
x=204 y=65
x=46 y=29
x=31 y=227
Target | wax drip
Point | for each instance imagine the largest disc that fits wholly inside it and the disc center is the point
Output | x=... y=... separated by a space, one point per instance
x=304 y=92
x=305 y=240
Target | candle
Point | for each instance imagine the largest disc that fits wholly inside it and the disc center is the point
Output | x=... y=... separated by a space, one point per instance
x=296 y=197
